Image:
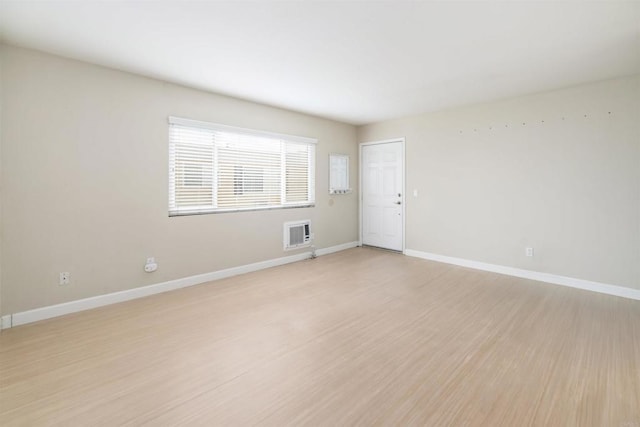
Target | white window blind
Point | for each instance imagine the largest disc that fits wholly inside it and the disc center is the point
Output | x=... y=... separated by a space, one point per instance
x=217 y=168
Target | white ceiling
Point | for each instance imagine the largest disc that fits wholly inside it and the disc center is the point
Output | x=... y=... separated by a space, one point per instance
x=353 y=61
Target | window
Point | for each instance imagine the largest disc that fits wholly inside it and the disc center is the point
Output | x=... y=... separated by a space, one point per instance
x=216 y=168
x=248 y=180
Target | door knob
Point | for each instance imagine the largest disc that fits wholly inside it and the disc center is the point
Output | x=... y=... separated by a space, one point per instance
x=398 y=203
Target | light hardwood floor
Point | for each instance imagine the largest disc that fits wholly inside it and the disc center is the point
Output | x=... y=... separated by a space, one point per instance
x=361 y=337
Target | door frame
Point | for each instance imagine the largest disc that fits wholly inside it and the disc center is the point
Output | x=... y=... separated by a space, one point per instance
x=401 y=140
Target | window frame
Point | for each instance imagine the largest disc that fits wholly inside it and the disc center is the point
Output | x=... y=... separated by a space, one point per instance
x=214 y=209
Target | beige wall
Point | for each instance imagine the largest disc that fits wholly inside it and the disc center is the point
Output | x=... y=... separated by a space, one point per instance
x=493 y=179
x=84 y=173
x=1 y=231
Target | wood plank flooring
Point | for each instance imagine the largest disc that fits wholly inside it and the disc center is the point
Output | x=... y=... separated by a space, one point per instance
x=360 y=337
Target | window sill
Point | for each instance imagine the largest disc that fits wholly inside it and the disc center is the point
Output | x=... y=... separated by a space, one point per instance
x=251 y=209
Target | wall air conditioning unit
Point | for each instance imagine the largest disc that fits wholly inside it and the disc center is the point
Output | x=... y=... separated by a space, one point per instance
x=297 y=234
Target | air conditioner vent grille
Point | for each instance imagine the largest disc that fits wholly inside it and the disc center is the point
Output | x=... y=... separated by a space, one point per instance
x=297 y=234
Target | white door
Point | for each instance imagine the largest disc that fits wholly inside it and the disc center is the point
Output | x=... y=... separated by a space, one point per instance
x=382 y=186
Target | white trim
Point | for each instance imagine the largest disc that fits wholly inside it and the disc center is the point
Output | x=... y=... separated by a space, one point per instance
x=48 y=312
x=337 y=248
x=602 y=288
x=401 y=140
x=5 y=322
x=233 y=129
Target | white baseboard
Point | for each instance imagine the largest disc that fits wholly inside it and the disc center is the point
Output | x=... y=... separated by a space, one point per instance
x=5 y=322
x=48 y=312
x=602 y=288
x=337 y=248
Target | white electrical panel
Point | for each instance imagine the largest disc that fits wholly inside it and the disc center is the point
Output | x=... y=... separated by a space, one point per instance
x=339 y=174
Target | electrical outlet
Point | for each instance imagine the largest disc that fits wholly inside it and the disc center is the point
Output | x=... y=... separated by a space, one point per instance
x=528 y=251
x=151 y=265
x=65 y=278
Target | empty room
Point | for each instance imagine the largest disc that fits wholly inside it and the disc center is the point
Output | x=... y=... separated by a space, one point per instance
x=320 y=213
